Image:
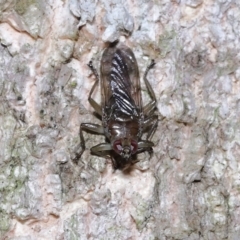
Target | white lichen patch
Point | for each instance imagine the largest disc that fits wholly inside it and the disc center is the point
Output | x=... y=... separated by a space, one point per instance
x=117 y=21
x=190 y=187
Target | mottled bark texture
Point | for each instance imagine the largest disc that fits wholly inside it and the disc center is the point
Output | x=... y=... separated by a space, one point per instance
x=190 y=187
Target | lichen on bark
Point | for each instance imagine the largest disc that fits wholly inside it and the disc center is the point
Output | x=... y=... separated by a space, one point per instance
x=188 y=190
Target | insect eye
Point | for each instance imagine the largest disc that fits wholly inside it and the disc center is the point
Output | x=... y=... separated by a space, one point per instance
x=134 y=146
x=118 y=148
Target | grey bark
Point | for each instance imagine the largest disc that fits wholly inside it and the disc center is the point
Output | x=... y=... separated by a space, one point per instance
x=188 y=190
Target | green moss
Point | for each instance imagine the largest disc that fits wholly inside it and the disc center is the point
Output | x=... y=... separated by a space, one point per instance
x=73 y=84
x=165 y=42
x=4 y=223
x=116 y=232
x=22 y=148
x=22 y=5
x=71 y=228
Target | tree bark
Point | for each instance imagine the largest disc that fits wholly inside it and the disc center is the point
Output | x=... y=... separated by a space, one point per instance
x=189 y=188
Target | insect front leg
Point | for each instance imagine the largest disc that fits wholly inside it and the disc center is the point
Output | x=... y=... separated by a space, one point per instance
x=101 y=149
x=94 y=128
x=150 y=107
x=145 y=145
x=93 y=103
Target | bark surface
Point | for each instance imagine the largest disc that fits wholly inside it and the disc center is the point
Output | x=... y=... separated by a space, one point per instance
x=190 y=187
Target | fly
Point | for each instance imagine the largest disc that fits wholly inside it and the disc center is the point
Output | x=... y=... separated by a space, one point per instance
x=124 y=119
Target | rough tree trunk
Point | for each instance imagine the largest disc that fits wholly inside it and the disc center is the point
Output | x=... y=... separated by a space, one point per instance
x=189 y=189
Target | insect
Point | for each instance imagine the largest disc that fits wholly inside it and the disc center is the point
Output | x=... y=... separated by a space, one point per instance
x=124 y=119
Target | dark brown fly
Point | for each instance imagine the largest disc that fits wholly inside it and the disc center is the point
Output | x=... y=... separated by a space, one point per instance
x=124 y=120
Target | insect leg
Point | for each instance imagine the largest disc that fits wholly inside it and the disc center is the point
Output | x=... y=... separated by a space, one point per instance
x=93 y=103
x=145 y=145
x=94 y=128
x=151 y=124
x=149 y=108
x=101 y=149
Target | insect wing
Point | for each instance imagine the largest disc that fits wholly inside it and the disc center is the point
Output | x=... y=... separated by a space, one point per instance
x=120 y=78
